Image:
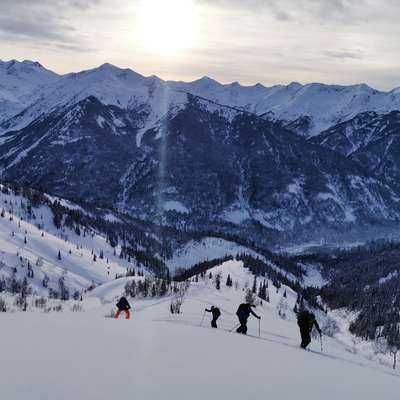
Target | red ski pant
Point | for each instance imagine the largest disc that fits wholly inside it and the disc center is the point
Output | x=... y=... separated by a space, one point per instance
x=128 y=314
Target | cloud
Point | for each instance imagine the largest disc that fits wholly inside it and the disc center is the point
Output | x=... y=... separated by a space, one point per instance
x=343 y=54
x=47 y=23
x=318 y=12
x=268 y=41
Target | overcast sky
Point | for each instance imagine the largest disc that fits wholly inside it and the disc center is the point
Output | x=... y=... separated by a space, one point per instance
x=271 y=42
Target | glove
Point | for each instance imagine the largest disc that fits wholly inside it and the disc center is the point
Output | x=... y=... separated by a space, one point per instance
x=205 y=309
x=259 y=317
x=320 y=332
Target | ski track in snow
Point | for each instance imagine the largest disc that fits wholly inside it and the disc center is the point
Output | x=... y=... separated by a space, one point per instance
x=285 y=340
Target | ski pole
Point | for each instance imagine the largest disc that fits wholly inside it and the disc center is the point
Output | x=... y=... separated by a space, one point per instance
x=320 y=337
x=259 y=328
x=203 y=317
x=234 y=327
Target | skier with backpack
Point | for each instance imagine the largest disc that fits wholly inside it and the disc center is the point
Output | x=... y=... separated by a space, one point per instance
x=216 y=314
x=243 y=312
x=306 y=321
x=123 y=305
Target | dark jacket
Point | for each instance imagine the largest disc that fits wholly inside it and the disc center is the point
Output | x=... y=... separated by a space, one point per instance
x=244 y=313
x=306 y=322
x=123 y=304
x=215 y=312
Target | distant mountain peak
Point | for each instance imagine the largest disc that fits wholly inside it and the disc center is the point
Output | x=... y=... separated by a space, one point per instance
x=26 y=66
x=206 y=79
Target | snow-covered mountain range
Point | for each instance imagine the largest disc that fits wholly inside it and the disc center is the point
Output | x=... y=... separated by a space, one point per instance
x=321 y=106
x=267 y=164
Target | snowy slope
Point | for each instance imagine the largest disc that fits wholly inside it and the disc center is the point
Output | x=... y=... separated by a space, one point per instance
x=79 y=352
x=157 y=355
x=31 y=239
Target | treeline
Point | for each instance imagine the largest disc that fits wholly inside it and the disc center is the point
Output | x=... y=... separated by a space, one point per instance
x=143 y=287
x=200 y=268
x=20 y=286
x=364 y=280
x=14 y=285
x=278 y=275
x=153 y=287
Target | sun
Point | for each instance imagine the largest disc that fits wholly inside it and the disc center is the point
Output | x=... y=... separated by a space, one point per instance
x=167 y=27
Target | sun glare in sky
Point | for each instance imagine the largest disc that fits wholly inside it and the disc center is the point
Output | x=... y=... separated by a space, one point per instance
x=167 y=27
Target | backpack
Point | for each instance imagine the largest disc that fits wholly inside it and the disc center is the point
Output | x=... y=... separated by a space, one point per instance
x=302 y=317
x=217 y=312
x=240 y=308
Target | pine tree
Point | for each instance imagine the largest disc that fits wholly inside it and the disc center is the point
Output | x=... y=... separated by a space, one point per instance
x=254 y=289
x=218 y=277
